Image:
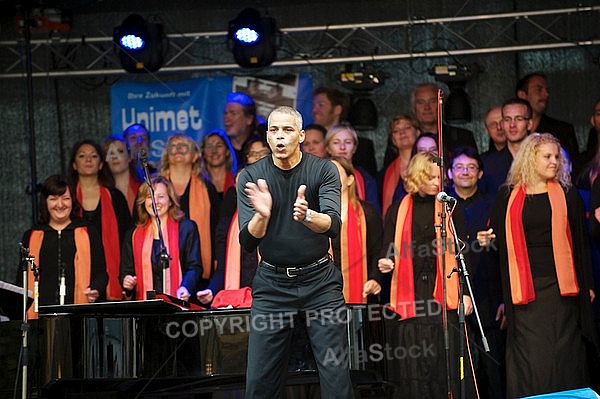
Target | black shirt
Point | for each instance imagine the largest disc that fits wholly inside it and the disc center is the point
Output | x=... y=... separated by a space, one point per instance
x=288 y=241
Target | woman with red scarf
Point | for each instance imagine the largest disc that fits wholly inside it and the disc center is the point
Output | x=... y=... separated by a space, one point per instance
x=538 y=222
x=412 y=252
x=141 y=269
x=356 y=248
x=102 y=205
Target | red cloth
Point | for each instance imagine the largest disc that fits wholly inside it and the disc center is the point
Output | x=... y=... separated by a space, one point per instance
x=110 y=241
x=402 y=298
x=240 y=298
x=519 y=268
x=353 y=251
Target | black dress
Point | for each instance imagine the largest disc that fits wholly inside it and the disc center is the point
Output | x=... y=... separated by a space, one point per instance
x=416 y=358
x=545 y=350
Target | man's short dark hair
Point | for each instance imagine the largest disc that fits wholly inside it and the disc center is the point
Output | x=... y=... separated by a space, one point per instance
x=519 y=101
x=336 y=97
x=468 y=151
x=523 y=83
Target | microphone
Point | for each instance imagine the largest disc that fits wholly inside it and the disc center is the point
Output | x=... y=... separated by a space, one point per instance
x=443 y=197
x=143 y=156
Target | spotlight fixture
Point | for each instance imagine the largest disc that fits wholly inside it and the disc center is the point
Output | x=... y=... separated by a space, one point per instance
x=457 y=107
x=363 y=112
x=253 y=39
x=139 y=44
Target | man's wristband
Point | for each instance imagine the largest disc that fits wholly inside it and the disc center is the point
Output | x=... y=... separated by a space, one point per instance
x=308 y=216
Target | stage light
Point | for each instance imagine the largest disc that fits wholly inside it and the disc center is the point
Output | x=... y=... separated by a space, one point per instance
x=139 y=44
x=253 y=39
x=362 y=114
x=458 y=106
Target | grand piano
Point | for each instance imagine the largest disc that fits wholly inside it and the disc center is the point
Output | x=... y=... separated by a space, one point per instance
x=160 y=349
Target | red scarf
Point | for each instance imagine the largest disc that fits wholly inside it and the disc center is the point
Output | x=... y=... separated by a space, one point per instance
x=110 y=241
x=360 y=184
x=229 y=181
x=353 y=252
x=390 y=182
x=82 y=264
x=132 y=190
x=142 y=239
x=519 y=269
x=402 y=297
x=233 y=255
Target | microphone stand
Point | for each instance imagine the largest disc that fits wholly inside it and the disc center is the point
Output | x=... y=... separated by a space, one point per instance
x=164 y=257
x=26 y=263
x=443 y=234
x=463 y=275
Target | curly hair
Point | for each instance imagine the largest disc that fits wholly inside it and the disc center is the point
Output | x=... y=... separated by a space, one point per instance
x=174 y=211
x=522 y=171
x=418 y=171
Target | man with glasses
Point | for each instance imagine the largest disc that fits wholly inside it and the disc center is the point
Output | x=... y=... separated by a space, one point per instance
x=493 y=127
x=466 y=169
x=516 y=123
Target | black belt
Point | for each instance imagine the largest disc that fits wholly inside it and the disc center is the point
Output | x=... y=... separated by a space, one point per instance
x=296 y=270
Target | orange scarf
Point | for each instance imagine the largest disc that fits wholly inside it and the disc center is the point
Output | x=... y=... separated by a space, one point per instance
x=110 y=241
x=142 y=239
x=82 y=264
x=132 y=190
x=200 y=213
x=402 y=296
x=353 y=253
x=390 y=182
x=360 y=184
x=233 y=255
x=519 y=269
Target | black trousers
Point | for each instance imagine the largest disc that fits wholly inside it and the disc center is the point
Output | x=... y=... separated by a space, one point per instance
x=276 y=300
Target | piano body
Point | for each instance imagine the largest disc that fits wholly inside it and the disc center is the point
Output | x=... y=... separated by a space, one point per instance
x=156 y=349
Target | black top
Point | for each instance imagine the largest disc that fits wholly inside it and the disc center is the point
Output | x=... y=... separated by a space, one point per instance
x=48 y=262
x=288 y=241
x=249 y=259
x=563 y=131
x=189 y=258
x=122 y=214
x=495 y=169
x=535 y=239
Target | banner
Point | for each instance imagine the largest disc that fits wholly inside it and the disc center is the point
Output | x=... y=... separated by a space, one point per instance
x=196 y=106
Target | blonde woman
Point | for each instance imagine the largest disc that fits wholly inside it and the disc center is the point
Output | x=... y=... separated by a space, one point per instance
x=198 y=198
x=538 y=223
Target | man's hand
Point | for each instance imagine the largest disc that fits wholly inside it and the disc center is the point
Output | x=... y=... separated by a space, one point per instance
x=260 y=197
x=183 y=293
x=484 y=237
x=300 y=205
x=91 y=294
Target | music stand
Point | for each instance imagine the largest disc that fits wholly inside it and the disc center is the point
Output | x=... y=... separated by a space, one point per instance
x=11 y=301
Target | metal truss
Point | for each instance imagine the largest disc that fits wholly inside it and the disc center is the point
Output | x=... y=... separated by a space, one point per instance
x=305 y=46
